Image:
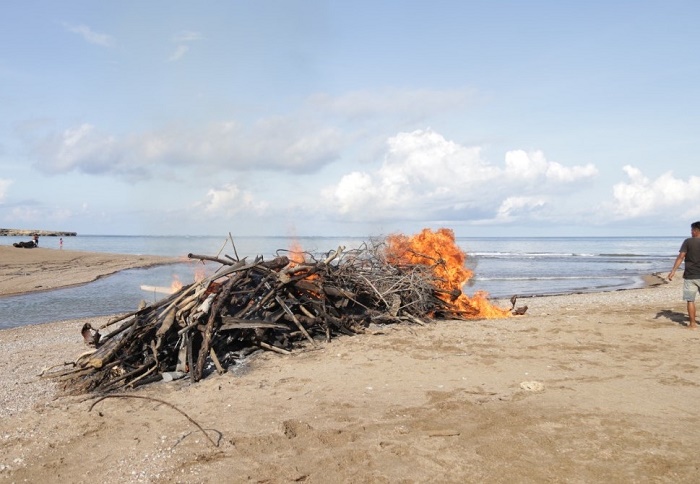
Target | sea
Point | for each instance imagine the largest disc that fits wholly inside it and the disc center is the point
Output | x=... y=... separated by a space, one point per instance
x=502 y=266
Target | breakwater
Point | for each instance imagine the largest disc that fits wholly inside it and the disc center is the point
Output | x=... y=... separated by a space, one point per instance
x=31 y=233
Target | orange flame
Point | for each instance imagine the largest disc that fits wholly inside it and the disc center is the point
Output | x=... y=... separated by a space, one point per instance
x=297 y=257
x=296 y=253
x=440 y=251
x=176 y=285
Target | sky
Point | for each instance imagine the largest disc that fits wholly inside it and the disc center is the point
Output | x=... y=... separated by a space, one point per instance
x=358 y=118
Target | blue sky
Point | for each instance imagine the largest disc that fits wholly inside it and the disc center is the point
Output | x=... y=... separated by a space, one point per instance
x=535 y=118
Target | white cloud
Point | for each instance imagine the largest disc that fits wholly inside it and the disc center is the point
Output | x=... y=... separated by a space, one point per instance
x=414 y=104
x=230 y=199
x=300 y=142
x=4 y=186
x=641 y=196
x=179 y=53
x=37 y=213
x=91 y=36
x=81 y=148
x=182 y=39
x=25 y=214
x=524 y=166
x=352 y=188
x=424 y=176
x=514 y=206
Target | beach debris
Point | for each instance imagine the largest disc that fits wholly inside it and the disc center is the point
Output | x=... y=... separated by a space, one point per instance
x=294 y=300
x=532 y=386
x=158 y=289
x=519 y=311
x=24 y=245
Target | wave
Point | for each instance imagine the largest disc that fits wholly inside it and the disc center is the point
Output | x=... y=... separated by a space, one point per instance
x=535 y=255
x=528 y=255
x=548 y=278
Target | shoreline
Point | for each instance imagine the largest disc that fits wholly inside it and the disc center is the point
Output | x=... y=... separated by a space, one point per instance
x=40 y=269
x=648 y=281
x=53 y=262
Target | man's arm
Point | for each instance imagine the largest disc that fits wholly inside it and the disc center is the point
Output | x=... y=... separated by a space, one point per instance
x=676 y=265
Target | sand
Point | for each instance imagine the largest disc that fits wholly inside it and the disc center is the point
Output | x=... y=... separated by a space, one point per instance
x=40 y=269
x=584 y=388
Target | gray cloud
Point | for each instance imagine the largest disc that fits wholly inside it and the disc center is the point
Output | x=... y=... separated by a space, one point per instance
x=271 y=144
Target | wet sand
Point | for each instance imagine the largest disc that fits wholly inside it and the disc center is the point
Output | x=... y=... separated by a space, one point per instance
x=598 y=387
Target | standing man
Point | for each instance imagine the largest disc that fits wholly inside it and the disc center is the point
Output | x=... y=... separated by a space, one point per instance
x=690 y=251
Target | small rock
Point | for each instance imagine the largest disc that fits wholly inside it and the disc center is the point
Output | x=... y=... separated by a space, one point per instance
x=532 y=386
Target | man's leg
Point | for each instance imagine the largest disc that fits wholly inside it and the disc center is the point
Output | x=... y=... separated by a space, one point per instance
x=691 y=315
x=690 y=292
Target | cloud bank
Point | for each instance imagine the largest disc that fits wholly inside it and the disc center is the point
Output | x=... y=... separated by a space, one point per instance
x=424 y=176
x=270 y=144
x=419 y=176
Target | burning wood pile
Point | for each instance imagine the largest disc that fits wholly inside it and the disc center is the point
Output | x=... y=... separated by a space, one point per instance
x=278 y=305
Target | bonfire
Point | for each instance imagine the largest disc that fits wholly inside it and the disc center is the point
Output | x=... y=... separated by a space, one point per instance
x=291 y=301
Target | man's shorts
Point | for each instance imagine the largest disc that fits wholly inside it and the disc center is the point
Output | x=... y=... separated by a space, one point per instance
x=690 y=289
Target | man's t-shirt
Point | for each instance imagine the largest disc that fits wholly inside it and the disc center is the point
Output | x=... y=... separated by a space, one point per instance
x=691 y=247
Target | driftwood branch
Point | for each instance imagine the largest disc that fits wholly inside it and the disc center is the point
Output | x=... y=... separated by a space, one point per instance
x=158 y=400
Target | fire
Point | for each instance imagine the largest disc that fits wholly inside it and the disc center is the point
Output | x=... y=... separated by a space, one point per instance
x=440 y=251
x=296 y=253
x=176 y=285
x=297 y=257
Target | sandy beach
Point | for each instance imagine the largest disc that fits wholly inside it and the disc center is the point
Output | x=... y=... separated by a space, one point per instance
x=41 y=269
x=599 y=387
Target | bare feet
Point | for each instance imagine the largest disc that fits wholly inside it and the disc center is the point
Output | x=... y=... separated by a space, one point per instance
x=692 y=325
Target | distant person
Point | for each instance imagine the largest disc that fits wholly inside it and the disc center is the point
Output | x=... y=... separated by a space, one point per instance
x=690 y=252
x=36 y=240
x=60 y=243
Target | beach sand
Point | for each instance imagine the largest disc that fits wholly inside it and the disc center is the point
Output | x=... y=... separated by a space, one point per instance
x=40 y=269
x=597 y=387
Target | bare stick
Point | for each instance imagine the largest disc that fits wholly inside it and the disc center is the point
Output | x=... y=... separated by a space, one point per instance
x=143 y=397
x=223 y=262
x=222 y=248
x=274 y=348
x=294 y=318
x=234 y=246
x=217 y=363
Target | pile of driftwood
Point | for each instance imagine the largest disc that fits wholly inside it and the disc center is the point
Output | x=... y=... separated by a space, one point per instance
x=245 y=306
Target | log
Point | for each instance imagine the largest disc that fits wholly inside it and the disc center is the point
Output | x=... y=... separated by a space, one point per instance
x=209 y=330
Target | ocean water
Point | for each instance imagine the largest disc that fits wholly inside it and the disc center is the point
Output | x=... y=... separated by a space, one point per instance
x=523 y=266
